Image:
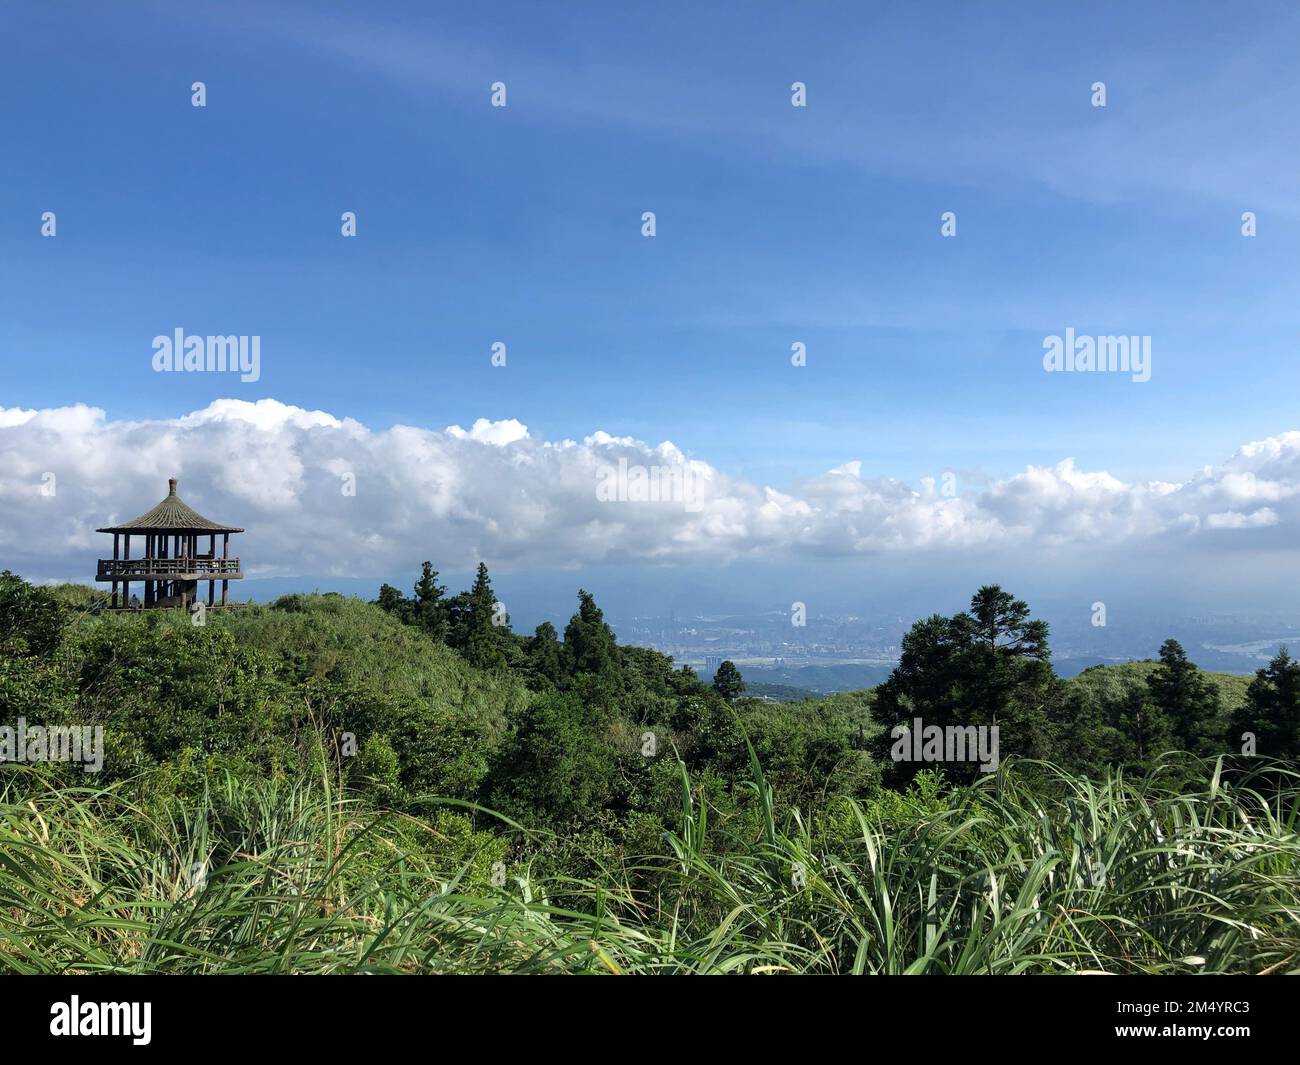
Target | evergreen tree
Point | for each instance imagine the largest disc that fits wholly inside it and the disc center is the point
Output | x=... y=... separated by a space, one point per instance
x=1001 y=622
x=1144 y=730
x=393 y=602
x=590 y=655
x=545 y=655
x=728 y=682
x=1271 y=712
x=1085 y=718
x=988 y=666
x=588 y=641
x=485 y=638
x=1188 y=699
x=457 y=610
x=428 y=609
x=1005 y=650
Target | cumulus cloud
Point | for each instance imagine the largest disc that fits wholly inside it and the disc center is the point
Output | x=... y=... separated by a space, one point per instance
x=497 y=492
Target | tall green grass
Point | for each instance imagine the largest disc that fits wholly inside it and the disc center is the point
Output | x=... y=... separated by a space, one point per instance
x=1030 y=871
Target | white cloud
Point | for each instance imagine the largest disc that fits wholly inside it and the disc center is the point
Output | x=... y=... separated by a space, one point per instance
x=501 y=493
x=1233 y=519
x=500 y=433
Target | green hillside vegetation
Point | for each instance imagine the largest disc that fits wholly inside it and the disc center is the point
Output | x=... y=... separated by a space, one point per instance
x=779 y=693
x=325 y=784
x=1109 y=683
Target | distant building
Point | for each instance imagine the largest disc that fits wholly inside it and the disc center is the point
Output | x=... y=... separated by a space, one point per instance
x=711 y=663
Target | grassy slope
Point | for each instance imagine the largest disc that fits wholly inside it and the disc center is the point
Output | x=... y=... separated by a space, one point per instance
x=1008 y=877
x=357 y=644
x=349 y=642
x=1111 y=681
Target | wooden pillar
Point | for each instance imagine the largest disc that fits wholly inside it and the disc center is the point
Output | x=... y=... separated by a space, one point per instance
x=212 y=553
x=126 y=585
x=116 y=539
x=148 y=584
x=225 y=554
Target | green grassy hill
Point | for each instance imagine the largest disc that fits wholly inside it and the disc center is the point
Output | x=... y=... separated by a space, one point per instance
x=1111 y=682
x=256 y=686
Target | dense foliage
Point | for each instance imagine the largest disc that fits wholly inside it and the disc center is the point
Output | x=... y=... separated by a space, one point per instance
x=527 y=777
x=1060 y=875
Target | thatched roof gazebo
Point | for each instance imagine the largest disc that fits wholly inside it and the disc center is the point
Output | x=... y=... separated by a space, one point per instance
x=171 y=567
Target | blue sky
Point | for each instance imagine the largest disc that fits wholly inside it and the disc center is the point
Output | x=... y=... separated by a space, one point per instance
x=776 y=224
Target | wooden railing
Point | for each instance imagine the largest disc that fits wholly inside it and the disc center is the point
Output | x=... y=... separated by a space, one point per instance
x=140 y=568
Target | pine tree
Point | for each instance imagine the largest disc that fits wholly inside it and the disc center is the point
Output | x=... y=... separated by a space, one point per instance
x=591 y=656
x=1188 y=699
x=1005 y=650
x=1271 y=713
x=392 y=601
x=428 y=610
x=1145 y=731
x=728 y=682
x=588 y=641
x=485 y=638
x=545 y=655
x=988 y=666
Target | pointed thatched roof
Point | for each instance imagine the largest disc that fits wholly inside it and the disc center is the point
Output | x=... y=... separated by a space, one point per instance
x=171 y=515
